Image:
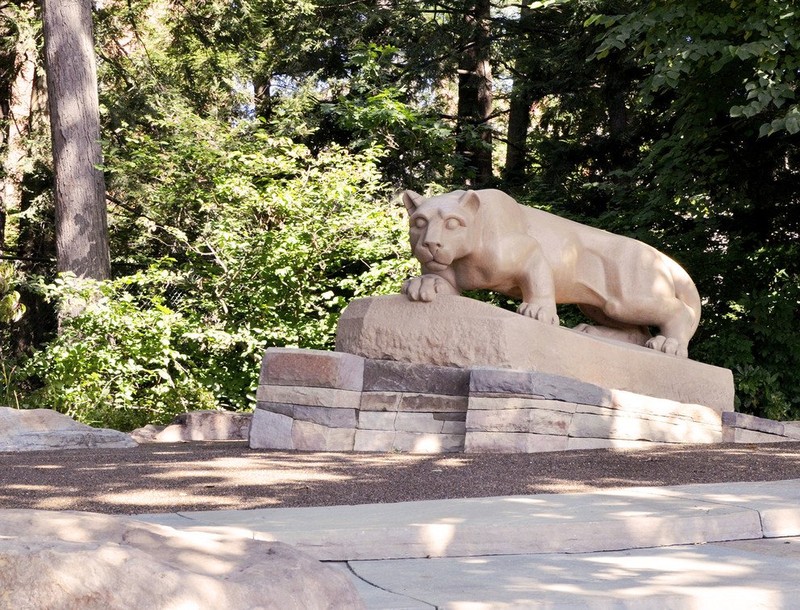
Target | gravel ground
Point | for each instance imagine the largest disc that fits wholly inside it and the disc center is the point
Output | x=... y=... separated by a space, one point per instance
x=229 y=475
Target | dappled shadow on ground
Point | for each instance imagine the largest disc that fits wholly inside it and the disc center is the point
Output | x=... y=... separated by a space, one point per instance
x=212 y=476
x=702 y=576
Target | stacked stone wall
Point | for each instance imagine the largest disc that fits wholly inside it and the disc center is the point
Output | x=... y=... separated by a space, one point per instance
x=331 y=401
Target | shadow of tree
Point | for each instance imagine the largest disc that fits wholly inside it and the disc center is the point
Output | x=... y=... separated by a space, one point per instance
x=706 y=576
x=214 y=475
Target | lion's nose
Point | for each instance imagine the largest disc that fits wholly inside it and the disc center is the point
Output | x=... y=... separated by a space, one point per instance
x=433 y=246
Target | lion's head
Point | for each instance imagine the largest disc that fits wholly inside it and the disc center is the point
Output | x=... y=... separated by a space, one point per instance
x=441 y=228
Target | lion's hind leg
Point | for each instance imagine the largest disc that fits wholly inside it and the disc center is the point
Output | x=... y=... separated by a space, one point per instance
x=675 y=330
x=674 y=318
x=629 y=334
x=612 y=329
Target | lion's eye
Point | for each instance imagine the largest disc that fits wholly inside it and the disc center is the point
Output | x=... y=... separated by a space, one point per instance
x=452 y=223
x=420 y=223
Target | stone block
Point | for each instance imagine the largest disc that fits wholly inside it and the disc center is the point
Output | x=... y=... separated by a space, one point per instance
x=545 y=442
x=498 y=402
x=171 y=434
x=456 y=331
x=741 y=435
x=325 y=416
x=454 y=427
x=609 y=443
x=374 y=440
x=380 y=401
x=44 y=429
x=388 y=376
x=411 y=422
x=405 y=401
x=791 y=430
x=444 y=416
x=408 y=442
x=495 y=442
x=414 y=442
x=147 y=434
x=417 y=422
x=84 y=561
x=647 y=405
x=614 y=425
x=536 y=421
x=501 y=382
x=270 y=430
x=312 y=368
x=308 y=436
x=309 y=396
x=433 y=403
x=376 y=420
x=512 y=442
x=206 y=426
x=750 y=422
x=728 y=434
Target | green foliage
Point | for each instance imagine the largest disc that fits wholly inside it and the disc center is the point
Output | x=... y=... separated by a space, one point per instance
x=231 y=231
x=121 y=362
x=418 y=145
x=757 y=337
x=275 y=236
x=751 y=48
x=265 y=248
x=252 y=150
x=716 y=176
x=11 y=309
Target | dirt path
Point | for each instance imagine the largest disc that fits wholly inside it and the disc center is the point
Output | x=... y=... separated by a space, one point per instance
x=210 y=476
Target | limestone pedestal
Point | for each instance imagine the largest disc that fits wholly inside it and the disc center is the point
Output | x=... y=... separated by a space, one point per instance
x=460 y=375
x=461 y=332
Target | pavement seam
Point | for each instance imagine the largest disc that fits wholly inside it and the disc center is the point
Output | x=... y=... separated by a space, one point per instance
x=377 y=586
x=749 y=508
x=182 y=516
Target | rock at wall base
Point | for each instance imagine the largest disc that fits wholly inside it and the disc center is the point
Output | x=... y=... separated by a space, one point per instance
x=198 y=426
x=44 y=429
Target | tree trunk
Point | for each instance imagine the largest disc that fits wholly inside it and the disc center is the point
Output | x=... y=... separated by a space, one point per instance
x=474 y=143
x=8 y=60
x=81 y=224
x=262 y=97
x=519 y=121
x=18 y=109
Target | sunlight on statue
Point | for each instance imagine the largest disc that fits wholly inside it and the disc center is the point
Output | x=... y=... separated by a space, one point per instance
x=469 y=240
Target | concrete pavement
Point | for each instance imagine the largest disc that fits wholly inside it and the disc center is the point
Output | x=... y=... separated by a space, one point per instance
x=731 y=546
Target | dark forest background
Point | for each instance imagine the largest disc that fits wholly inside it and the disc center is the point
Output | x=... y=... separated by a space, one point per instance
x=253 y=151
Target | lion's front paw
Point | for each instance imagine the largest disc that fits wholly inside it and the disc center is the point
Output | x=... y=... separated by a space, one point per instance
x=426 y=287
x=660 y=343
x=544 y=312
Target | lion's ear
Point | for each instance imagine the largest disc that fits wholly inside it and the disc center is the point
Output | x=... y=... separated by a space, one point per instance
x=412 y=201
x=470 y=200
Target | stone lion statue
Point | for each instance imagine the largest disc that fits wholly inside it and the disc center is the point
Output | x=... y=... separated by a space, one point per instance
x=467 y=240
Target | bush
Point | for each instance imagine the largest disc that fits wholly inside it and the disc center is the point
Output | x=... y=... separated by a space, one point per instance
x=11 y=310
x=121 y=362
x=273 y=262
